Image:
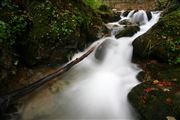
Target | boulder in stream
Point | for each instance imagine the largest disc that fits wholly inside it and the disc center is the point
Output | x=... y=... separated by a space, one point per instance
x=157 y=97
x=149 y=15
x=128 y=31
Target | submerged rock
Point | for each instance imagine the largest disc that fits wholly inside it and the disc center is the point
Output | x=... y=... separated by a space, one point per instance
x=128 y=31
x=126 y=22
x=102 y=49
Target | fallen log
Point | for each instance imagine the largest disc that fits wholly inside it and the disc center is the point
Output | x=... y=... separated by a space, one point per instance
x=11 y=97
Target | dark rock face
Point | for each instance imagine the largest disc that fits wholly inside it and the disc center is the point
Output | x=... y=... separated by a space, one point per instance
x=128 y=31
x=161 y=41
x=149 y=15
x=125 y=14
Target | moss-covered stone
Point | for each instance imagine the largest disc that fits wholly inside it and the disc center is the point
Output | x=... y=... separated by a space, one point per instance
x=158 y=95
x=162 y=41
x=153 y=101
x=128 y=31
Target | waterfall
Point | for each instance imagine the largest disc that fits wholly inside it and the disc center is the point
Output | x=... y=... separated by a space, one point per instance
x=100 y=83
x=140 y=17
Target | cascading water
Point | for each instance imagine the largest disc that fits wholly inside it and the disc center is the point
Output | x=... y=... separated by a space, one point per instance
x=101 y=82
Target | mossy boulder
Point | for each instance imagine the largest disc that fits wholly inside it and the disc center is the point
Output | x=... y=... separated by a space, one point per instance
x=153 y=103
x=157 y=97
x=128 y=31
x=162 y=41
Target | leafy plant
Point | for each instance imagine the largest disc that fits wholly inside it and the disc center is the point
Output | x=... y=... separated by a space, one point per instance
x=4 y=31
x=64 y=26
x=173 y=48
x=94 y=3
x=18 y=24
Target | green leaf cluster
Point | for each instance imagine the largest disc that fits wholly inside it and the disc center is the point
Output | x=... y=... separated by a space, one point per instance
x=94 y=4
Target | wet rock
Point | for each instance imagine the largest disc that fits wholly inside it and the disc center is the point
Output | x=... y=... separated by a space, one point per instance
x=158 y=95
x=141 y=76
x=149 y=15
x=128 y=31
x=153 y=102
x=125 y=14
x=125 y=22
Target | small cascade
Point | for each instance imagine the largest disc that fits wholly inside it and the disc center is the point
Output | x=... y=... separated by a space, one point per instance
x=140 y=17
x=100 y=83
x=130 y=14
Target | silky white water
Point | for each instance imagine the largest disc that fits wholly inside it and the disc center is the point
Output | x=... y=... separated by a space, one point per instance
x=100 y=84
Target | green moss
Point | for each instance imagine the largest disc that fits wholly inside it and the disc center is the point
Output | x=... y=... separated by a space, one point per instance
x=5 y=32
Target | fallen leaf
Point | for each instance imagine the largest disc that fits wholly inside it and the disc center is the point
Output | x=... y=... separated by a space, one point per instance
x=148 y=90
x=155 y=81
x=170 y=118
x=165 y=84
x=166 y=90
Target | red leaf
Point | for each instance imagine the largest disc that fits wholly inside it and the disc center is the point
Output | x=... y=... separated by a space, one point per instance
x=148 y=90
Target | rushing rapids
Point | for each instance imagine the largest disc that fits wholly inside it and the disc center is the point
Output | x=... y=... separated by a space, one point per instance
x=99 y=84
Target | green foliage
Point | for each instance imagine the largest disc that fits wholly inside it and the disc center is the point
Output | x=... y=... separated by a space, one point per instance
x=94 y=3
x=65 y=25
x=18 y=23
x=173 y=47
x=83 y=19
x=9 y=31
x=4 y=31
x=178 y=60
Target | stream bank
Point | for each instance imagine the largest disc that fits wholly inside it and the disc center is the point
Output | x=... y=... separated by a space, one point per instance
x=44 y=33
x=158 y=54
